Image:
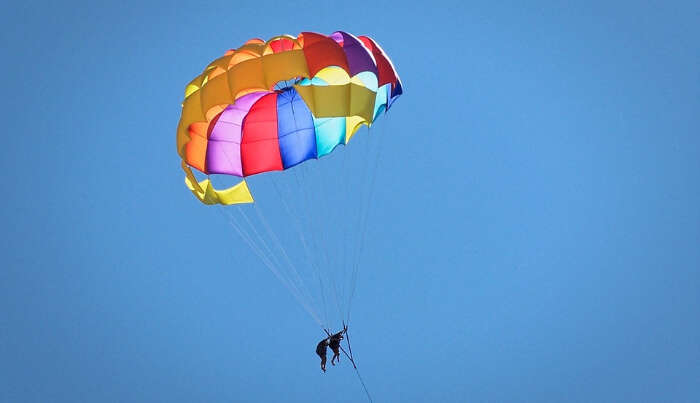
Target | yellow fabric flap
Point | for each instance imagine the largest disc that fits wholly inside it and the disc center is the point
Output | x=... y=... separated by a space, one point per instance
x=206 y=193
x=328 y=101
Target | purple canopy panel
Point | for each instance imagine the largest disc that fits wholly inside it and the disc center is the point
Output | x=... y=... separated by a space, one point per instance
x=359 y=58
x=224 y=147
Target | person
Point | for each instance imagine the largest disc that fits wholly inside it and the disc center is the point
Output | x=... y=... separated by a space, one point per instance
x=321 y=351
x=333 y=342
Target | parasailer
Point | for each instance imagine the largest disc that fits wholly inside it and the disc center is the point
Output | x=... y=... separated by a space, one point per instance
x=332 y=341
x=321 y=350
x=334 y=344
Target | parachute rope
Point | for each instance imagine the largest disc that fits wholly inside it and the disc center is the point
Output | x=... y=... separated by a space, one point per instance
x=309 y=218
x=274 y=257
x=280 y=247
x=354 y=267
x=275 y=266
x=292 y=212
x=268 y=263
x=352 y=359
x=332 y=221
x=320 y=198
x=364 y=217
x=346 y=229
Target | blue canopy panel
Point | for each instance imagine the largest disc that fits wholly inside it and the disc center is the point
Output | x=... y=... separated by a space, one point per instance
x=295 y=127
x=329 y=133
x=380 y=101
x=398 y=90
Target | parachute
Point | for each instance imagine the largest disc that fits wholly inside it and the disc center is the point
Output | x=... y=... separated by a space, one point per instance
x=279 y=105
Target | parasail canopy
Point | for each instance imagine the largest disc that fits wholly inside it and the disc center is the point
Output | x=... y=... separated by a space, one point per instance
x=271 y=105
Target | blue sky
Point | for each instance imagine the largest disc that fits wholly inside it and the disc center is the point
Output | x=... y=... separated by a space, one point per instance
x=535 y=234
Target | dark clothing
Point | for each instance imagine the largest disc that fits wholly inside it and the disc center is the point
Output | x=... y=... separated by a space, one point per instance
x=334 y=343
x=321 y=347
x=321 y=351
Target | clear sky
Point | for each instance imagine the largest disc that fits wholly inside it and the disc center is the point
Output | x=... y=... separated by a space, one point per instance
x=535 y=233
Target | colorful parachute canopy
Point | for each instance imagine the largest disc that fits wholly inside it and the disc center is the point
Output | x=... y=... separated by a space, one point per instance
x=268 y=106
